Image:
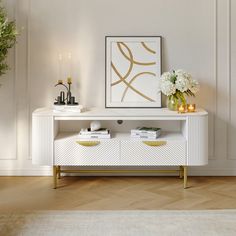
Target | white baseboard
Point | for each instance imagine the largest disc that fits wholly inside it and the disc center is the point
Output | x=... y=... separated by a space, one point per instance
x=25 y=172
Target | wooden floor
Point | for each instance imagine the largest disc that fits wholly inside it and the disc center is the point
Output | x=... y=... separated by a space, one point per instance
x=116 y=193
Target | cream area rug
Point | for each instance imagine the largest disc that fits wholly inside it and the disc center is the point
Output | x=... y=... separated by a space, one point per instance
x=119 y=223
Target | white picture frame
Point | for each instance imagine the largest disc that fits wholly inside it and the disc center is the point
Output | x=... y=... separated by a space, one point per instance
x=133 y=71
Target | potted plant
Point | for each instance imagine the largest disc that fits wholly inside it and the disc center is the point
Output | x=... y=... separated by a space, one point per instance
x=176 y=85
x=8 y=35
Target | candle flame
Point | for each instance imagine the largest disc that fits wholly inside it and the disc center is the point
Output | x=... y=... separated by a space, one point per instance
x=69 y=80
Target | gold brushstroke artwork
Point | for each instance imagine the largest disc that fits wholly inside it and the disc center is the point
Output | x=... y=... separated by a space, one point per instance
x=129 y=56
x=133 y=72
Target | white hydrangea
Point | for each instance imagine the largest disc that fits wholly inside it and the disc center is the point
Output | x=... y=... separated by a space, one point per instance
x=182 y=83
x=167 y=87
x=166 y=76
x=181 y=72
x=194 y=86
x=178 y=80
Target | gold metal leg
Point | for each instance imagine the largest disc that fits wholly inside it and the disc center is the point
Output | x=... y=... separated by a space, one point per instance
x=59 y=172
x=185 y=176
x=55 y=176
x=181 y=172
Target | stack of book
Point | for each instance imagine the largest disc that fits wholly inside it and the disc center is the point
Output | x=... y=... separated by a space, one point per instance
x=69 y=108
x=101 y=133
x=146 y=132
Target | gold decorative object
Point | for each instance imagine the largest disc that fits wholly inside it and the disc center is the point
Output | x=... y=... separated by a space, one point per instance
x=182 y=108
x=191 y=107
x=88 y=143
x=155 y=143
x=69 y=99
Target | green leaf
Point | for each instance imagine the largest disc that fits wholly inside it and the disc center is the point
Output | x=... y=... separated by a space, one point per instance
x=8 y=34
x=173 y=79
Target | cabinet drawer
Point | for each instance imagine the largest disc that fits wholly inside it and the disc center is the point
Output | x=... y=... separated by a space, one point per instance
x=151 y=153
x=70 y=151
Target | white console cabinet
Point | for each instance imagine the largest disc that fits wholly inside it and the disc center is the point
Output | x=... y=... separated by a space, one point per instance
x=183 y=142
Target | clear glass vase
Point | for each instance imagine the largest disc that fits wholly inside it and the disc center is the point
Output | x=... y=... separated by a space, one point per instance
x=172 y=103
x=174 y=100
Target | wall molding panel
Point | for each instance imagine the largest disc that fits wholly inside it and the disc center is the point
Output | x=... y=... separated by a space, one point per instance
x=215 y=9
x=28 y=80
x=230 y=141
x=34 y=63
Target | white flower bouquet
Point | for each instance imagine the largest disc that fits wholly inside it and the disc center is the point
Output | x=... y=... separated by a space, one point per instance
x=175 y=85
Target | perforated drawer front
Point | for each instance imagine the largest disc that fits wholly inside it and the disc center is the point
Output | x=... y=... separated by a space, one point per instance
x=138 y=153
x=69 y=152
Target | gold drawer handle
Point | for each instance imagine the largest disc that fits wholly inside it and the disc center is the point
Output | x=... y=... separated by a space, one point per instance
x=155 y=143
x=88 y=143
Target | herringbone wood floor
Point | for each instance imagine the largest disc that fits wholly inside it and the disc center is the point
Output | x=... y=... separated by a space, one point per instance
x=116 y=193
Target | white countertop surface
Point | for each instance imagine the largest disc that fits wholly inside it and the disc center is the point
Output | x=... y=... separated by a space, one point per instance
x=117 y=113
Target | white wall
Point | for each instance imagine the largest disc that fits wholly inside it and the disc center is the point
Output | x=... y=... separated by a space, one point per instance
x=198 y=36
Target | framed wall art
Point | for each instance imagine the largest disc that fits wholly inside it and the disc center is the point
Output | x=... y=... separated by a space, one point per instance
x=133 y=70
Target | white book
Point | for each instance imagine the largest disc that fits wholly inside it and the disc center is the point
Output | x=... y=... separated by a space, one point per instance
x=68 y=108
x=88 y=131
x=150 y=135
x=146 y=130
x=144 y=135
x=94 y=136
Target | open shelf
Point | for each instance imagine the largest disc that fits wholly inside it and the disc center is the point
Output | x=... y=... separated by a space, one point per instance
x=125 y=136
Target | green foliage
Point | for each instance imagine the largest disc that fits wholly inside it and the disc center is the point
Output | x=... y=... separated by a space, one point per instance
x=8 y=35
x=173 y=78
